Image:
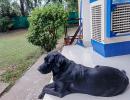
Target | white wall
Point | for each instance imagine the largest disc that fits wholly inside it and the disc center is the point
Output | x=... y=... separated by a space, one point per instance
x=86 y=19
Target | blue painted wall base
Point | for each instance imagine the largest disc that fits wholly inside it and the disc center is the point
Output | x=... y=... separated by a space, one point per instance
x=80 y=42
x=113 y=49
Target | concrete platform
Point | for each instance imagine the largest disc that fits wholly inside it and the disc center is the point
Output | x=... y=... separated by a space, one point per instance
x=88 y=57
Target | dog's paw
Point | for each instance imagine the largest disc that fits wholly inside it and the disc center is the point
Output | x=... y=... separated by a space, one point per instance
x=97 y=66
x=41 y=96
x=60 y=95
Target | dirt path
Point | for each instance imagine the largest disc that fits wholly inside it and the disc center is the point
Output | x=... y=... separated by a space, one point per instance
x=13 y=33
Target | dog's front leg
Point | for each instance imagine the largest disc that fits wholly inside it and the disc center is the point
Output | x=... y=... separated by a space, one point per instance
x=57 y=90
x=51 y=85
x=61 y=88
x=45 y=89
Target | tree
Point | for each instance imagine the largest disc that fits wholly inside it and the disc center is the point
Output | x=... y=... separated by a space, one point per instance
x=72 y=5
x=35 y=3
x=7 y=10
x=54 y=1
x=31 y=4
x=44 y=23
x=15 y=9
x=5 y=7
x=22 y=7
x=9 y=7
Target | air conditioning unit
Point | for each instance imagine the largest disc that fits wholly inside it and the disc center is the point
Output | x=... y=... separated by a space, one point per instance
x=110 y=27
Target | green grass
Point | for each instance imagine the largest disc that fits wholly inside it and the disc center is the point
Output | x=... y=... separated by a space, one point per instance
x=16 y=55
x=60 y=31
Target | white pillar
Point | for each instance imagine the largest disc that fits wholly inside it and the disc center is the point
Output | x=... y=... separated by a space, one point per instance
x=86 y=20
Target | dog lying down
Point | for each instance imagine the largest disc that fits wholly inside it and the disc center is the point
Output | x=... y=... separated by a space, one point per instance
x=69 y=77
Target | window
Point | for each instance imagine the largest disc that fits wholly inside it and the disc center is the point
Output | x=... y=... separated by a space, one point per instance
x=120 y=1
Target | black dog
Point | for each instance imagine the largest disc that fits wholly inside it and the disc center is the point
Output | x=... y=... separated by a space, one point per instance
x=69 y=77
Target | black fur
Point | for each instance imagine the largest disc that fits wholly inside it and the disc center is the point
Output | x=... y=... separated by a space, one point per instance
x=69 y=77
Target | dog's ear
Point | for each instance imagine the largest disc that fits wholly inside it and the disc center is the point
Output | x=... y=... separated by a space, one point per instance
x=51 y=58
x=59 y=60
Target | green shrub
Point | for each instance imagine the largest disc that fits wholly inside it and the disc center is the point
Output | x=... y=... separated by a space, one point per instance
x=44 y=23
x=5 y=24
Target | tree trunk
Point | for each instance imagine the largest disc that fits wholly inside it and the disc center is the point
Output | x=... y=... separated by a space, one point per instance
x=22 y=7
x=2 y=12
x=35 y=3
x=54 y=1
x=60 y=1
x=28 y=5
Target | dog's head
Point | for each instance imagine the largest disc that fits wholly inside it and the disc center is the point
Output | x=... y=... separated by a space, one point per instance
x=53 y=62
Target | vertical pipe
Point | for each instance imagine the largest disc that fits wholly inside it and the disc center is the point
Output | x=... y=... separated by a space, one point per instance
x=108 y=18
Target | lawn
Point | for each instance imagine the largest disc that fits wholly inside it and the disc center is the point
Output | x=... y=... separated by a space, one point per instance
x=16 y=54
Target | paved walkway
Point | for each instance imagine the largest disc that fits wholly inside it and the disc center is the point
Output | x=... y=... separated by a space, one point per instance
x=30 y=85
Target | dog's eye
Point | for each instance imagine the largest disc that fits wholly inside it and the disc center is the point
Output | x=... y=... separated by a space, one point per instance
x=45 y=59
